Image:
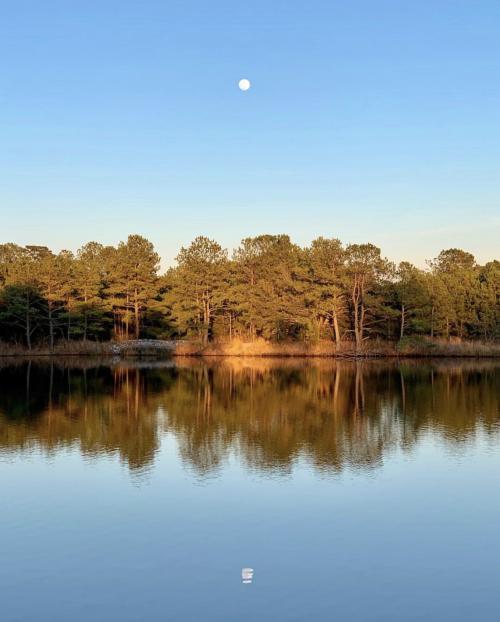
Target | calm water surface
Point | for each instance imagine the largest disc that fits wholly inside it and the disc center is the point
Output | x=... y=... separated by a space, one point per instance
x=355 y=491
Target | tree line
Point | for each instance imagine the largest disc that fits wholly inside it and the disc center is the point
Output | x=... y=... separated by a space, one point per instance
x=267 y=288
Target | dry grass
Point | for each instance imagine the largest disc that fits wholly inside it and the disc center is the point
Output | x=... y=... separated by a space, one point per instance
x=63 y=348
x=421 y=347
x=413 y=347
x=259 y=347
x=425 y=346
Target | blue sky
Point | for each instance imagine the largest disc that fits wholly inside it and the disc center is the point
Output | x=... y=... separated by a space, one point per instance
x=367 y=120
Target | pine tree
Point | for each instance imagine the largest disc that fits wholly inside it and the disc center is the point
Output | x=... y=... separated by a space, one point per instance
x=196 y=289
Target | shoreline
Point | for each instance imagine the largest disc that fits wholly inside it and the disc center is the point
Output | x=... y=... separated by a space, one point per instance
x=417 y=349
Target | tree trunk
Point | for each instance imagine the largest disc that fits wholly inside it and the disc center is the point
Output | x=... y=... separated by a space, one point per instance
x=126 y=318
x=209 y=323
x=362 y=323
x=356 y=320
x=336 y=329
x=359 y=311
x=402 y=330
x=206 y=322
x=137 y=318
x=28 y=328
x=51 y=328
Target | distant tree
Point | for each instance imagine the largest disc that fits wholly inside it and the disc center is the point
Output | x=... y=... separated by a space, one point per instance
x=458 y=274
x=411 y=297
x=140 y=269
x=326 y=272
x=115 y=291
x=12 y=257
x=130 y=282
x=196 y=286
x=366 y=269
x=54 y=281
x=89 y=271
x=268 y=290
x=488 y=301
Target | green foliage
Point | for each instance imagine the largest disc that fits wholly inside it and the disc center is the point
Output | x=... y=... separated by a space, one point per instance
x=269 y=288
x=196 y=287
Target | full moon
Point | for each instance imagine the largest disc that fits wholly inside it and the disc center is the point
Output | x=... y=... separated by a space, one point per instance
x=244 y=84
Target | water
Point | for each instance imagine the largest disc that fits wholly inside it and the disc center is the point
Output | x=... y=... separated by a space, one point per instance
x=249 y=490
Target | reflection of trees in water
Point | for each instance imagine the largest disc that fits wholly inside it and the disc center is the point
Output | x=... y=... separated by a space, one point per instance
x=101 y=410
x=335 y=414
x=267 y=411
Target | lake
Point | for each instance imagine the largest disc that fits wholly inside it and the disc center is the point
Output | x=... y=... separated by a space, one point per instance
x=249 y=489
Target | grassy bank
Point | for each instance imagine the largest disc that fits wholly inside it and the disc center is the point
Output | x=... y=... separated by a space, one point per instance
x=371 y=349
x=63 y=348
x=408 y=348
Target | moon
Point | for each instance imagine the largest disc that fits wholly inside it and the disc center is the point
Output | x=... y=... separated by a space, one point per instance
x=244 y=84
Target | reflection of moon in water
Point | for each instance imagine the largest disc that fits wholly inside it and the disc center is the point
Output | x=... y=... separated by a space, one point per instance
x=244 y=84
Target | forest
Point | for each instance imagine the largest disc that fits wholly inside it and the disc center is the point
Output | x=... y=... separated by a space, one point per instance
x=269 y=288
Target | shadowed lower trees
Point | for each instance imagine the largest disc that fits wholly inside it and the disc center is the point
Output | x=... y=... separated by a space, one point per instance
x=21 y=312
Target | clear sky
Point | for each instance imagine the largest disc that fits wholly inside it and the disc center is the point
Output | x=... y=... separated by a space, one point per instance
x=367 y=120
